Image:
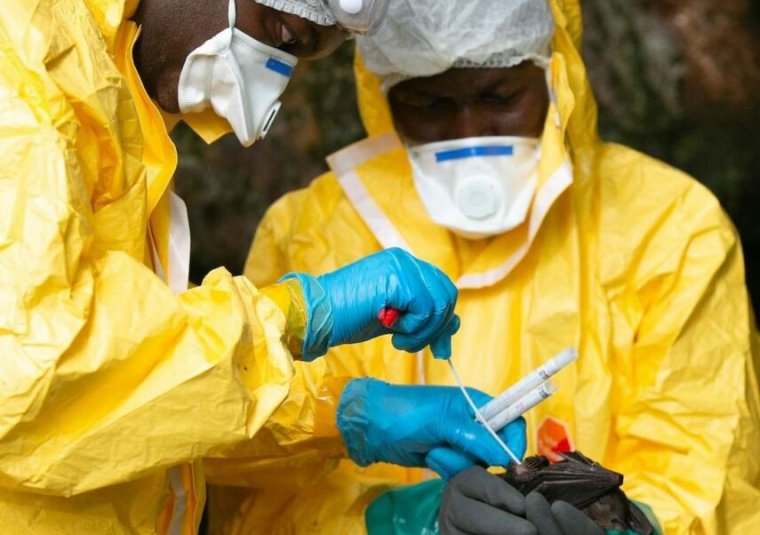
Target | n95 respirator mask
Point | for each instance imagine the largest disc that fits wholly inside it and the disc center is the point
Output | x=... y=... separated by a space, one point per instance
x=477 y=187
x=240 y=78
x=358 y=16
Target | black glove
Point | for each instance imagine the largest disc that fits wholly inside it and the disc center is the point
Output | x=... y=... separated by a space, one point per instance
x=478 y=503
x=559 y=518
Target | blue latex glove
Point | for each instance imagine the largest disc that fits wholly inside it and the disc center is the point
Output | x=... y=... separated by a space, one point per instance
x=402 y=424
x=343 y=306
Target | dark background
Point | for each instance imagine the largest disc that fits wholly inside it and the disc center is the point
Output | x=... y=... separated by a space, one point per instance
x=677 y=80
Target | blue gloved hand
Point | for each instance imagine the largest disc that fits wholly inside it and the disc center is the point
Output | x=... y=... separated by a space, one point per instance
x=402 y=424
x=343 y=306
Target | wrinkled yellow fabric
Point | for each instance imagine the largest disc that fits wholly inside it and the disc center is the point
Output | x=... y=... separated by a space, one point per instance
x=109 y=382
x=635 y=264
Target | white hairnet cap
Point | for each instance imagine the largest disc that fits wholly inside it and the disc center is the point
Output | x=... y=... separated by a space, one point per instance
x=421 y=38
x=313 y=10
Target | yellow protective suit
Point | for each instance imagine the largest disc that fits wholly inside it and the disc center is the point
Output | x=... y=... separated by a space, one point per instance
x=623 y=257
x=110 y=384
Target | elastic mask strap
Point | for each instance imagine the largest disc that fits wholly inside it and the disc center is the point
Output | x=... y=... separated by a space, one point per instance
x=231 y=14
x=231 y=17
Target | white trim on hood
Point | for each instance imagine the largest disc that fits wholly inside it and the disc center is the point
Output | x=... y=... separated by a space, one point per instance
x=344 y=162
x=370 y=212
x=346 y=159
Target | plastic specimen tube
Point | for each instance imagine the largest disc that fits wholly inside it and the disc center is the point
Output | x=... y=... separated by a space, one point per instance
x=478 y=416
x=514 y=411
x=538 y=376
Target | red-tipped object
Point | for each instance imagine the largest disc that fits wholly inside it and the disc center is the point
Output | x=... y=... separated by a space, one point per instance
x=388 y=317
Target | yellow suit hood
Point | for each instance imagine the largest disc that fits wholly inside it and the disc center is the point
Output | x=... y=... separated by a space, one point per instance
x=376 y=115
x=567 y=147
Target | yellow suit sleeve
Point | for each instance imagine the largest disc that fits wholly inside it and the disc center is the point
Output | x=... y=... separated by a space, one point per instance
x=688 y=425
x=105 y=374
x=294 y=473
x=302 y=434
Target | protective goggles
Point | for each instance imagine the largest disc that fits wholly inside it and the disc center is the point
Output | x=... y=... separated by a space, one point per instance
x=358 y=16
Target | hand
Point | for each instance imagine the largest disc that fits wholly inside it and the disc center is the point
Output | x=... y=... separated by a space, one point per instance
x=380 y=422
x=477 y=502
x=343 y=306
x=559 y=518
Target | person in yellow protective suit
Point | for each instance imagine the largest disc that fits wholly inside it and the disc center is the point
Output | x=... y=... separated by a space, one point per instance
x=114 y=377
x=619 y=255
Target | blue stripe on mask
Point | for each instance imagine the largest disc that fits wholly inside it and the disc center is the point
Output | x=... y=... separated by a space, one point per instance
x=469 y=152
x=278 y=66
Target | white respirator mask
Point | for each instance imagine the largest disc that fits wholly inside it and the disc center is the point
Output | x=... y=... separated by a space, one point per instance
x=479 y=186
x=240 y=78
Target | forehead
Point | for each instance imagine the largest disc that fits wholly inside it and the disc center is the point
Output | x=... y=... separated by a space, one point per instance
x=461 y=82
